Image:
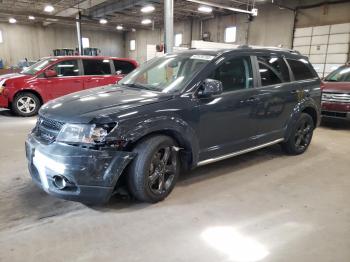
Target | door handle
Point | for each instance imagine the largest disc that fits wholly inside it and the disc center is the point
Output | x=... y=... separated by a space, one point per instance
x=295 y=91
x=252 y=99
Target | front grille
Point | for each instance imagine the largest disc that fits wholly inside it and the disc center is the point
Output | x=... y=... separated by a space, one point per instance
x=332 y=97
x=334 y=114
x=47 y=130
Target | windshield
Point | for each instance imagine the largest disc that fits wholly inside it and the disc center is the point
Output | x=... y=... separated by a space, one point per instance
x=33 y=69
x=342 y=74
x=168 y=73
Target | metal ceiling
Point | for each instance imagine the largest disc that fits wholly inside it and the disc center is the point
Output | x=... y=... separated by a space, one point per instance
x=121 y=12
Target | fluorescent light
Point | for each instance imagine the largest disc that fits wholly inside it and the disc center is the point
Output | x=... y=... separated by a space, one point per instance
x=147 y=9
x=119 y=27
x=103 y=21
x=133 y=30
x=12 y=20
x=31 y=17
x=205 y=9
x=49 y=8
x=146 y=21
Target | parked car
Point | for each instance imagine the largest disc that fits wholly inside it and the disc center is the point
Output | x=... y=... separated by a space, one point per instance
x=181 y=110
x=336 y=94
x=53 y=77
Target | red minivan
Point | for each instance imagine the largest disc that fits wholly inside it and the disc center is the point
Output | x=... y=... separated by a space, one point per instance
x=52 y=77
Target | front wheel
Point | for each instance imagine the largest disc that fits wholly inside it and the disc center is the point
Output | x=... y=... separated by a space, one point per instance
x=26 y=104
x=154 y=171
x=301 y=135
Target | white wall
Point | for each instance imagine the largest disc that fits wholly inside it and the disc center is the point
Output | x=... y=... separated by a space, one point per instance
x=35 y=41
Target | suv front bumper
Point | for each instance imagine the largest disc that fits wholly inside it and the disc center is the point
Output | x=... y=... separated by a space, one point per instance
x=90 y=175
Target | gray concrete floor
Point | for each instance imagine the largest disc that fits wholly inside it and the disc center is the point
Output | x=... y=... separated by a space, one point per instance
x=262 y=206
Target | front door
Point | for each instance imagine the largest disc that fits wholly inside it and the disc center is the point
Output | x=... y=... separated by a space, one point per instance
x=68 y=79
x=226 y=122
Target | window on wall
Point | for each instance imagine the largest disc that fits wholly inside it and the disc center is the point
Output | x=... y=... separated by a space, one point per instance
x=178 y=39
x=132 y=45
x=86 y=42
x=230 y=34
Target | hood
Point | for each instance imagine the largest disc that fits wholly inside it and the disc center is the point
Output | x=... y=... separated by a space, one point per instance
x=336 y=87
x=99 y=103
x=13 y=76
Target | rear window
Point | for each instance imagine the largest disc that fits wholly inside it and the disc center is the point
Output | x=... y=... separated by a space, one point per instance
x=124 y=67
x=97 y=67
x=300 y=68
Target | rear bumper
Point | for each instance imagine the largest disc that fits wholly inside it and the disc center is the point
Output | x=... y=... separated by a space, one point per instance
x=90 y=175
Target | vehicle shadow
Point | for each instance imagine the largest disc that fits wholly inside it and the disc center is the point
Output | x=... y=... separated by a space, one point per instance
x=335 y=124
x=6 y=113
x=207 y=172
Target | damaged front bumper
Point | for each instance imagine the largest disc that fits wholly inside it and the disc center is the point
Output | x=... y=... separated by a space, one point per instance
x=75 y=173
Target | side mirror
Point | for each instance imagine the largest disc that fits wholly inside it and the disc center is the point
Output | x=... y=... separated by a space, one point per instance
x=50 y=73
x=210 y=87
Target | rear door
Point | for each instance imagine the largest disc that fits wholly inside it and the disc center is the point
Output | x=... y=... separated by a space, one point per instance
x=97 y=72
x=276 y=95
x=68 y=79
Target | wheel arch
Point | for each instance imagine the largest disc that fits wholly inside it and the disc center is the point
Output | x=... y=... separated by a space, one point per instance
x=28 y=91
x=187 y=153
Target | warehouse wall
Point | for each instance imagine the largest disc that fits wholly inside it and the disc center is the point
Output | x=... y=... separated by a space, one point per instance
x=257 y=32
x=324 y=15
x=35 y=41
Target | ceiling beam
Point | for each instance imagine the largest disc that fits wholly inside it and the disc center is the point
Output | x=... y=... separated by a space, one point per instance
x=221 y=6
x=116 y=6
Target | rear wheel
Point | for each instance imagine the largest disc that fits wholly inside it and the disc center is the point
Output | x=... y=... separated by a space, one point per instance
x=26 y=104
x=301 y=135
x=154 y=171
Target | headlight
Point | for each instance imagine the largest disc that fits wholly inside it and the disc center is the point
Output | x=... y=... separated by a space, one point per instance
x=82 y=133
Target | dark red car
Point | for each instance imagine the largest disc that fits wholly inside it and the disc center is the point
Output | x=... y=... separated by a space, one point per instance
x=336 y=94
x=52 y=77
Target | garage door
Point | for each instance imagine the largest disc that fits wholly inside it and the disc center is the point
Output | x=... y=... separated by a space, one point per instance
x=326 y=46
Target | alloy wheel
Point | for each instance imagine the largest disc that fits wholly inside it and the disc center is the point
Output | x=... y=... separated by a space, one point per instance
x=303 y=135
x=26 y=104
x=162 y=170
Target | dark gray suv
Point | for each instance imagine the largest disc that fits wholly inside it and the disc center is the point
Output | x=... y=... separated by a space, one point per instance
x=175 y=112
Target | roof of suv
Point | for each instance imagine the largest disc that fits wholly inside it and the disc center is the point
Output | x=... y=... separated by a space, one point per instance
x=243 y=48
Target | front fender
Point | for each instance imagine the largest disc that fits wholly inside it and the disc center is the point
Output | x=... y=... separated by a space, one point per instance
x=183 y=132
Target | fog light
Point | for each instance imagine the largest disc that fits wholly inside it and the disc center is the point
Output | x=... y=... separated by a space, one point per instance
x=60 y=182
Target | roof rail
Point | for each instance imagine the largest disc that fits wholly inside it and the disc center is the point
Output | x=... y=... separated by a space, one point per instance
x=271 y=47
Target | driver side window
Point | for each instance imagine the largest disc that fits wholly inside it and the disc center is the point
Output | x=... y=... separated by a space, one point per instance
x=66 y=68
x=235 y=74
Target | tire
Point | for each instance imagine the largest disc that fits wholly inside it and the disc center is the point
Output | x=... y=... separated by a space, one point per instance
x=300 y=138
x=154 y=171
x=26 y=104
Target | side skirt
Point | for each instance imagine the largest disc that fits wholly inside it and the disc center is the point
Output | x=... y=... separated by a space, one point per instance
x=212 y=160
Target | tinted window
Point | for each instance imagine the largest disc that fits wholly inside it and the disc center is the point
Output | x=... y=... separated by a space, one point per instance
x=124 y=67
x=67 y=68
x=277 y=65
x=268 y=75
x=300 y=69
x=96 y=67
x=342 y=74
x=234 y=74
